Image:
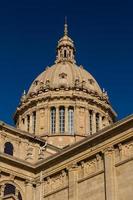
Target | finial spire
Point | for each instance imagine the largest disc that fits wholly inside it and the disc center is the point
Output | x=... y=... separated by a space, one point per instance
x=65 y=27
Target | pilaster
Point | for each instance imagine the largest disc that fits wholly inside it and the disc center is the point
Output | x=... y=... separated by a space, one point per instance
x=100 y=121
x=73 y=182
x=66 y=119
x=76 y=118
x=93 y=122
x=87 y=121
x=31 y=123
x=28 y=190
x=38 y=191
x=110 y=174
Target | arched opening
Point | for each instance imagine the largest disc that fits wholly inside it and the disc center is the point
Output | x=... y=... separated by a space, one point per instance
x=53 y=119
x=10 y=189
x=65 y=53
x=62 y=119
x=8 y=149
x=71 y=120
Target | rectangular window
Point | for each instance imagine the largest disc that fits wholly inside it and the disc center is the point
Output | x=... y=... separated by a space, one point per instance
x=71 y=120
x=53 y=120
x=62 y=119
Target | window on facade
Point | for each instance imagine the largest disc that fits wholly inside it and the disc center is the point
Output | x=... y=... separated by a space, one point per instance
x=28 y=123
x=65 y=54
x=23 y=121
x=71 y=120
x=8 y=149
x=62 y=119
x=90 y=121
x=53 y=120
x=34 y=122
x=10 y=189
x=97 y=121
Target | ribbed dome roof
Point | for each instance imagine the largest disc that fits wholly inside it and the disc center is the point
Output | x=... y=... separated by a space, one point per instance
x=67 y=75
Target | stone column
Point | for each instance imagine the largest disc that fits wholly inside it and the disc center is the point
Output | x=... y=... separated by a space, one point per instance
x=66 y=119
x=20 y=121
x=109 y=172
x=73 y=182
x=87 y=121
x=100 y=121
x=48 y=111
x=76 y=120
x=93 y=122
x=30 y=123
x=26 y=124
x=37 y=121
x=28 y=190
x=57 y=120
x=38 y=191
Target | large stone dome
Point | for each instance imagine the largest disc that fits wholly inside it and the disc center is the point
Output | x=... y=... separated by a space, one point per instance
x=64 y=103
x=65 y=75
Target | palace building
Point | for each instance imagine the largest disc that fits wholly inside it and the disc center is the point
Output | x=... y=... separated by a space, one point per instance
x=67 y=143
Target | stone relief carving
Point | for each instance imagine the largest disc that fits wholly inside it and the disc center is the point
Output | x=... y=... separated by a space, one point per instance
x=124 y=151
x=91 y=166
x=55 y=182
x=29 y=155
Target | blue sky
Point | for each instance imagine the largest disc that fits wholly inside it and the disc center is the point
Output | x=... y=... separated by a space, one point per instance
x=103 y=35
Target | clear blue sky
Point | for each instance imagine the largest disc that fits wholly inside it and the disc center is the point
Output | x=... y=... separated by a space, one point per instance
x=103 y=35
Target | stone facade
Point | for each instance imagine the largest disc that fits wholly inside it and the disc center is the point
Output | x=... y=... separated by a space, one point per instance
x=66 y=144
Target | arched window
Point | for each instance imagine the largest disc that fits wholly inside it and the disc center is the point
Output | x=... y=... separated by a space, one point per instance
x=8 y=149
x=97 y=122
x=65 y=53
x=53 y=119
x=34 y=122
x=71 y=120
x=90 y=121
x=62 y=119
x=10 y=189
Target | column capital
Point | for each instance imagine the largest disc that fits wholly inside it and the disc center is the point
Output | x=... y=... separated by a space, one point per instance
x=72 y=167
x=28 y=182
x=108 y=150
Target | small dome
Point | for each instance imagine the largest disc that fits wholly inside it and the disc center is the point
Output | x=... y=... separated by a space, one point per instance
x=67 y=75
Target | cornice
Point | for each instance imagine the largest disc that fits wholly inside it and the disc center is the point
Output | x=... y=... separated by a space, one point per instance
x=26 y=135
x=89 y=142
x=72 y=94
